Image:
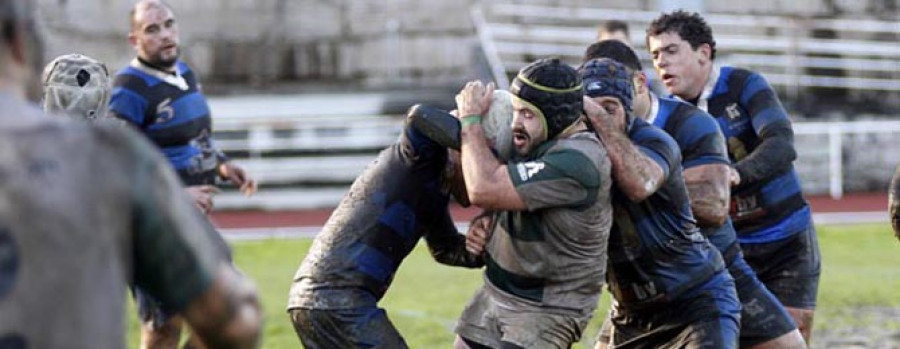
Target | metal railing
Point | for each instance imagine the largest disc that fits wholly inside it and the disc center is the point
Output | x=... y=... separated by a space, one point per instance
x=300 y=167
x=863 y=54
x=882 y=152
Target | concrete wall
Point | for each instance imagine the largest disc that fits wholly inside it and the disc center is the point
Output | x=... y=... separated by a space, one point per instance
x=258 y=41
x=369 y=42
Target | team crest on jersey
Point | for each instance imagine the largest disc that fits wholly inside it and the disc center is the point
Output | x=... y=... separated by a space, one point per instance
x=732 y=111
x=164 y=111
x=529 y=169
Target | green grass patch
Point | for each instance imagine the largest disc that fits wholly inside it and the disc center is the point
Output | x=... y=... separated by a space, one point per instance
x=860 y=269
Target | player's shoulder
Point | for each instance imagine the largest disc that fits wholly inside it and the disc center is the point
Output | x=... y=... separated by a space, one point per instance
x=677 y=110
x=131 y=77
x=688 y=116
x=585 y=142
x=643 y=132
x=580 y=155
x=740 y=78
x=182 y=68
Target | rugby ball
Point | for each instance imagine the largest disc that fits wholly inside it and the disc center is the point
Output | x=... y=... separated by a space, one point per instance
x=497 y=124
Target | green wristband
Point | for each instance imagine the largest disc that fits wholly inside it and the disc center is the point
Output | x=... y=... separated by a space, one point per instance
x=470 y=119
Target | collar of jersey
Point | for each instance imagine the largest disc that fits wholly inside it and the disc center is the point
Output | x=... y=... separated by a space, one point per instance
x=172 y=79
x=654 y=108
x=703 y=101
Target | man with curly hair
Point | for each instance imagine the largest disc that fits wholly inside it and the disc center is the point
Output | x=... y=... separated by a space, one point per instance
x=764 y=321
x=771 y=216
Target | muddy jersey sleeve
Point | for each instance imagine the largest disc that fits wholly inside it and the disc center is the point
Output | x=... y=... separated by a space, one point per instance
x=658 y=146
x=770 y=121
x=447 y=245
x=176 y=252
x=563 y=178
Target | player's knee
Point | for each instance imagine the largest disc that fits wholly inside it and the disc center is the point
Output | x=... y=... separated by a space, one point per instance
x=790 y=340
x=161 y=335
x=459 y=343
x=804 y=320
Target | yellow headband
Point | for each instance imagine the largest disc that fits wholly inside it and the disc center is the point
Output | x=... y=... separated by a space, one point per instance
x=545 y=88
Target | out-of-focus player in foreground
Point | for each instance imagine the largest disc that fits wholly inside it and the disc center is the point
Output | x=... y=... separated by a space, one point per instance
x=401 y=197
x=894 y=202
x=771 y=216
x=79 y=226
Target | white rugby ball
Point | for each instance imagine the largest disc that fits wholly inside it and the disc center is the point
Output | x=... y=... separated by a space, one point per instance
x=497 y=124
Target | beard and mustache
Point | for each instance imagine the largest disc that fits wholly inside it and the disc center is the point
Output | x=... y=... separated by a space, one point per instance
x=159 y=62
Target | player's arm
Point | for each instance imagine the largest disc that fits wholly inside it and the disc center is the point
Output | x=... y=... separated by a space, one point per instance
x=179 y=260
x=709 y=191
x=230 y=171
x=894 y=202
x=228 y=314
x=775 y=152
x=448 y=246
x=637 y=174
x=487 y=180
x=706 y=168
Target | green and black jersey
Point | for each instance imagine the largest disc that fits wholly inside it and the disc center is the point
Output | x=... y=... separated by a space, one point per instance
x=554 y=254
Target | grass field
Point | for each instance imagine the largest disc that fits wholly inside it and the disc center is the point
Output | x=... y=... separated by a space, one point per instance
x=860 y=271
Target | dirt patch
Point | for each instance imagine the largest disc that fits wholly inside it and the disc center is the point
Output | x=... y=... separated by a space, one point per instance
x=857 y=328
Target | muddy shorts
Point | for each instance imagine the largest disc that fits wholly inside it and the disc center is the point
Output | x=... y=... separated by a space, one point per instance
x=763 y=318
x=789 y=268
x=367 y=327
x=502 y=323
x=709 y=318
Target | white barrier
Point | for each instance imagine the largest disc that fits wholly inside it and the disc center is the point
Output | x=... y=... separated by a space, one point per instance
x=301 y=166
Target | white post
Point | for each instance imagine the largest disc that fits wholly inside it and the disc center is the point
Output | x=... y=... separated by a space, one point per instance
x=835 y=158
x=489 y=48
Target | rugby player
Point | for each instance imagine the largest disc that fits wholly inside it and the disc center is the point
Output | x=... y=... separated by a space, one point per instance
x=669 y=283
x=160 y=96
x=401 y=197
x=614 y=30
x=88 y=210
x=768 y=210
x=764 y=321
x=546 y=255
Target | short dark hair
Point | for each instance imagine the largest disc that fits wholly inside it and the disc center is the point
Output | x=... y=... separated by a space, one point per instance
x=691 y=27
x=612 y=26
x=132 y=21
x=615 y=50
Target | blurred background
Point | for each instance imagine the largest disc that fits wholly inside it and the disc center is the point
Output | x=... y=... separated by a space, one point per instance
x=304 y=93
